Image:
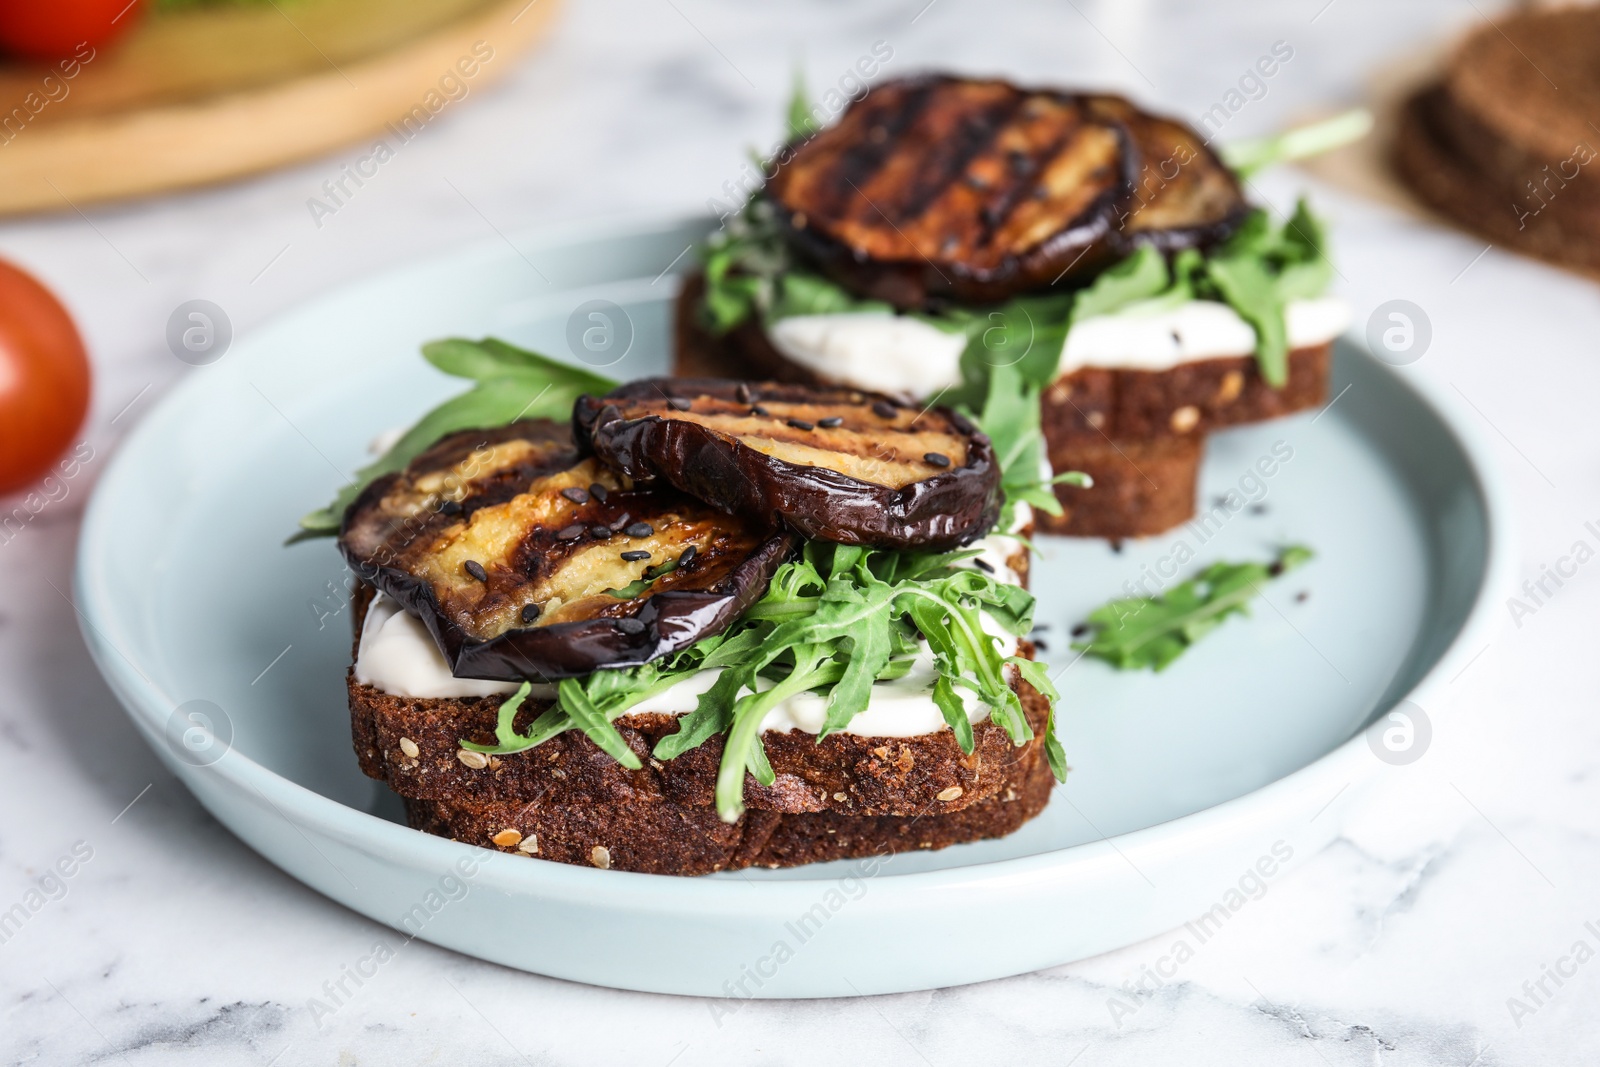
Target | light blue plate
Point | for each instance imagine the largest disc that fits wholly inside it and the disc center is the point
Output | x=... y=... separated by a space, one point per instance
x=1240 y=758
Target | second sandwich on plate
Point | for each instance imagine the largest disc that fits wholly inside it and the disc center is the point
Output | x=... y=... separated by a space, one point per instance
x=950 y=238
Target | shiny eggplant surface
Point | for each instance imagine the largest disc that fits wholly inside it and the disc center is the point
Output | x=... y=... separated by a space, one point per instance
x=1184 y=195
x=936 y=188
x=527 y=561
x=829 y=463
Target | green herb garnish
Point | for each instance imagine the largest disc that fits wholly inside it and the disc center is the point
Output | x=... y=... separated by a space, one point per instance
x=512 y=384
x=1257 y=153
x=836 y=620
x=644 y=581
x=1137 y=632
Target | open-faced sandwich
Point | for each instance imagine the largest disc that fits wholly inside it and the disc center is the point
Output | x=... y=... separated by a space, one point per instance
x=947 y=229
x=681 y=626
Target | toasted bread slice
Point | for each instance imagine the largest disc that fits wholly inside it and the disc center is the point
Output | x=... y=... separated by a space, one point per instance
x=1433 y=153
x=655 y=835
x=1140 y=487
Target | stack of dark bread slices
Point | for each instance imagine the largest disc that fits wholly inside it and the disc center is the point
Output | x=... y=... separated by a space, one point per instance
x=945 y=198
x=1503 y=142
x=545 y=561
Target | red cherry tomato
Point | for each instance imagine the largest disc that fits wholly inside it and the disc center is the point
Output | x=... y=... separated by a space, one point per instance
x=48 y=30
x=44 y=379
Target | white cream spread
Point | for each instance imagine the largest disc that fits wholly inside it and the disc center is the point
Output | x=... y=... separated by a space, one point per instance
x=900 y=354
x=397 y=655
x=873 y=350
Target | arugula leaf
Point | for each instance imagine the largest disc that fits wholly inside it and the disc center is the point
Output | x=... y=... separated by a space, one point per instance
x=1139 y=277
x=512 y=383
x=1261 y=269
x=1256 y=153
x=1137 y=632
x=798 y=120
x=833 y=620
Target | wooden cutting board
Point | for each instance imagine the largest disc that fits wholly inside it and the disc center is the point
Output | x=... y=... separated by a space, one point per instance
x=219 y=91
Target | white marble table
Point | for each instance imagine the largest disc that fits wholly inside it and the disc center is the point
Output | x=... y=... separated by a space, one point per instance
x=1474 y=870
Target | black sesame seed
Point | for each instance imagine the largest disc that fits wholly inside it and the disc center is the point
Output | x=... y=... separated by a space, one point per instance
x=635 y=555
x=830 y=422
x=743 y=393
x=801 y=424
x=1276 y=568
x=474 y=568
x=1080 y=629
x=576 y=495
x=757 y=409
x=630 y=626
x=677 y=403
x=530 y=612
x=1302 y=596
x=640 y=529
x=1040 y=645
x=599 y=492
x=451 y=507
x=570 y=533
x=599 y=531
x=688 y=555
x=983 y=565
x=1258 y=509
x=936 y=459
x=1116 y=545
x=885 y=410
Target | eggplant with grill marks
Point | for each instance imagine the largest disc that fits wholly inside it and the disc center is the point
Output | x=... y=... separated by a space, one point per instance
x=941 y=188
x=831 y=464
x=526 y=560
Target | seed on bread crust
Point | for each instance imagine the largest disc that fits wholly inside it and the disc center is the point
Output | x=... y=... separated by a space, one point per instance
x=476 y=760
x=952 y=793
x=600 y=856
x=409 y=747
x=507 y=837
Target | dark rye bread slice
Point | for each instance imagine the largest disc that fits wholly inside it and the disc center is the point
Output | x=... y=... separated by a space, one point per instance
x=1532 y=80
x=661 y=837
x=412 y=744
x=1559 y=223
x=1095 y=403
x=1140 y=487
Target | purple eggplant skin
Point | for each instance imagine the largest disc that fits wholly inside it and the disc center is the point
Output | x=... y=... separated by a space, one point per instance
x=388 y=532
x=936 y=189
x=641 y=430
x=673 y=620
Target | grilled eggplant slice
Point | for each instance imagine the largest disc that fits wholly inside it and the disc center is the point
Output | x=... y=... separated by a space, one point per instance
x=1184 y=195
x=938 y=187
x=526 y=561
x=949 y=187
x=832 y=464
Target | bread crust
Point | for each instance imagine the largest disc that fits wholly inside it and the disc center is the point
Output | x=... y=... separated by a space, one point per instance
x=658 y=836
x=1494 y=202
x=1140 y=487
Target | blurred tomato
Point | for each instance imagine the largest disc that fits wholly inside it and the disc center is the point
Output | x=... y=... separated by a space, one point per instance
x=48 y=30
x=44 y=379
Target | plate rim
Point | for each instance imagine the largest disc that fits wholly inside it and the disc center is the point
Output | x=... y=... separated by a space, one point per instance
x=143 y=699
